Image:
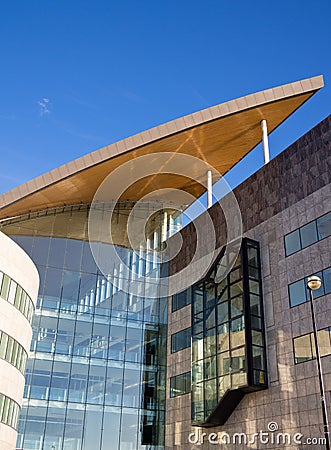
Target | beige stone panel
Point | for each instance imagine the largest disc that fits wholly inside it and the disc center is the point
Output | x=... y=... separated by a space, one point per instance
x=19 y=266
x=15 y=324
x=7 y=436
x=11 y=382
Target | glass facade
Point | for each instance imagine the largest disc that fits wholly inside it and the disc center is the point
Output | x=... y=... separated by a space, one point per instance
x=95 y=378
x=228 y=351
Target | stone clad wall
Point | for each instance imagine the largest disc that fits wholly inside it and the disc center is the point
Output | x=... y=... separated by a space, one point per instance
x=293 y=189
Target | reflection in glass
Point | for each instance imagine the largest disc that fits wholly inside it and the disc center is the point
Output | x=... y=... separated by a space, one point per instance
x=97 y=353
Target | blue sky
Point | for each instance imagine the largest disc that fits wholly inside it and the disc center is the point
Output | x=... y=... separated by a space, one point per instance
x=78 y=75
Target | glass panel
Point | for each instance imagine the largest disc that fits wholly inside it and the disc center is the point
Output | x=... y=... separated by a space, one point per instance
x=96 y=384
x=257 y=338
x=254 y=287
x=308 y=234
x=327 y=280
x=74 y=253
x=60 y=381
x=78 y=383
x=12 y=292
x=181 y=340
x=235 y=274
x=236 y=289
x=132 y=387
x=303 y=350
x=114 y=383
x=223 y=363
x=82 y=340
x=65 y=336
x=252 y=256
x=292 y=242
x=179 y=385
x=222 y=290
x=74 y=426
x=41 y=380
x=210 y=294
x=99 y=341
x=40 y=250
x=210 y=368
x=3 y=345
x=324 y=226
x=210 y=395
x=258 y=358
x=57 y=251
x=210 y=342
x=297 y=293
x=210 y=318
x=92 y=428
x=237 y=308
x=181 y=299
x=222 y=312
x=5 y=287
x=224 y=383
x=111 y=429
x=197 y=299
x=52 y=289
x=197 y=351
x=238 y=360
x=324 y=341
x=54 y=428
x=130 y=421
x=198 y=321
x=255 y=304
x=197 y=372
x=117 y=342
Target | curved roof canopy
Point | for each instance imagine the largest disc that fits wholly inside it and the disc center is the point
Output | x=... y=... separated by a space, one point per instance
x=221 y=135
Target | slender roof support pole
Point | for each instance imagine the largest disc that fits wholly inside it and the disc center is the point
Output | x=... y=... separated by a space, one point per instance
x=265 y=141
x=209 y=189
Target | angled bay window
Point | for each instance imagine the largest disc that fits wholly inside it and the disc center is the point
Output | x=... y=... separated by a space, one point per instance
x=228 y=350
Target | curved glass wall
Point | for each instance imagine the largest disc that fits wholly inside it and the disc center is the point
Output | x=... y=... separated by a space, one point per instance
x=96 y=375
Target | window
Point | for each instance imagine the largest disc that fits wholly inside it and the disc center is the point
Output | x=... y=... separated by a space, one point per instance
x=304 y=346
x=13 y=352
x=180 y=384
x=308 y=234
x=181 y=299
x=9 y=411
x=228 y=344
x=181 y=340
x=298 y=291
x=14 y=294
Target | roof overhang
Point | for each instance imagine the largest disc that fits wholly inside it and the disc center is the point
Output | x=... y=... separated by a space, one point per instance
x=221 y=135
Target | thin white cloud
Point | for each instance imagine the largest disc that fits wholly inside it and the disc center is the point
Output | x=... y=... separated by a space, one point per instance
x=44 y=105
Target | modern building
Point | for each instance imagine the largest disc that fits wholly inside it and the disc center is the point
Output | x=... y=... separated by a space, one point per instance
x=19 y=282
x=143 y=334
